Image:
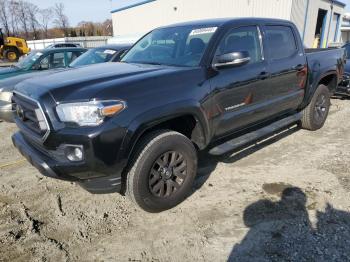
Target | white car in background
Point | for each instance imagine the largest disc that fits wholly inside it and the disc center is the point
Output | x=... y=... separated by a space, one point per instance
x=63 y=45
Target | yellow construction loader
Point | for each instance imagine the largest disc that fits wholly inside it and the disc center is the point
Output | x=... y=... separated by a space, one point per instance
x=11 y=48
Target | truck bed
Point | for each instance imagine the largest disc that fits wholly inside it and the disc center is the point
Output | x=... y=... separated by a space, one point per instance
x=323 y=61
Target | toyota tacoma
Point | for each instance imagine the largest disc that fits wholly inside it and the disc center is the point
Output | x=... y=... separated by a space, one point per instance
x=135 y=127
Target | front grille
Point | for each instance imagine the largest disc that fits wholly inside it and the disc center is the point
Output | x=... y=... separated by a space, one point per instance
x=30 y=117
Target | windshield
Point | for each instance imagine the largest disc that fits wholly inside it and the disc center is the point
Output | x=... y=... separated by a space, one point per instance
x=29 y=60
x=94 y=56
x=176 y=46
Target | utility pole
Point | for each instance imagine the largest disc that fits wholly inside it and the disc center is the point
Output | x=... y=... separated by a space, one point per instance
x=305 y=19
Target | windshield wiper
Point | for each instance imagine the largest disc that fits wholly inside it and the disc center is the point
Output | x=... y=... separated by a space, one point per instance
x=146 y=63
x=153 y=63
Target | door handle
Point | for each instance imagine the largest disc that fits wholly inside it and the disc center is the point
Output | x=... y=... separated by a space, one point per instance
x=298 y=67
x=264 y=75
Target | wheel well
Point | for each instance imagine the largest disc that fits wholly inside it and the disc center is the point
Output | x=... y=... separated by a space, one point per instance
x=330 y=81
x=186 y=125
x=11 y=48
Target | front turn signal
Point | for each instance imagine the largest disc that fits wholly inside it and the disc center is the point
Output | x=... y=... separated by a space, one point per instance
x=112 y=109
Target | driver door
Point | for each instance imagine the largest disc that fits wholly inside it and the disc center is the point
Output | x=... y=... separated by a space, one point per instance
x=233 y=87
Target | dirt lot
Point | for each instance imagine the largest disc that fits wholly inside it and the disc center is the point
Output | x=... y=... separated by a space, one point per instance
x=4 y=63
x=286 y=199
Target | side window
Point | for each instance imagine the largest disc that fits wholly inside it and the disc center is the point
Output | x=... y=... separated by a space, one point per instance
x=57 y=60
x=71 y=56
x=45 y=63
x=280 y=42
x=242 y=39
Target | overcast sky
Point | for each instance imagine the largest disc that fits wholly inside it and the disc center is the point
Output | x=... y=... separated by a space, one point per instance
x=96 y=10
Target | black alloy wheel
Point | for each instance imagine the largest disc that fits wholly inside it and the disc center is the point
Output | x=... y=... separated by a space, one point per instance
x=167 y=174
x=162 y=171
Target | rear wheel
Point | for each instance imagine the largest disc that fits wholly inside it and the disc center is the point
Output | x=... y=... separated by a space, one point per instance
x=163 y=171
x=11 y=55
x=316 y=113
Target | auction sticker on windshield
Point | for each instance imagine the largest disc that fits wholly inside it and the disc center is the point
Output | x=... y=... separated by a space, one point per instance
x=202 y=31
x=110 y=52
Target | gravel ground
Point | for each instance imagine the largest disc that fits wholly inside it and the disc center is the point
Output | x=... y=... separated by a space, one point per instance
x=4 y=63
x=286 y=199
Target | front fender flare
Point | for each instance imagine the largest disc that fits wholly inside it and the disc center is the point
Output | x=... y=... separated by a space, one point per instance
x=146 y=120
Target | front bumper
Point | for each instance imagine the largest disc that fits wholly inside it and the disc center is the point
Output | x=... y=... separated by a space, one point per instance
x=6 y=112
x=49 y=164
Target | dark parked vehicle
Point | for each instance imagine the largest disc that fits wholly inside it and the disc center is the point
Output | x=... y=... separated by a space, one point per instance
x=109 y=53
x=135 y=127
x=344 y=86
x=42 y=60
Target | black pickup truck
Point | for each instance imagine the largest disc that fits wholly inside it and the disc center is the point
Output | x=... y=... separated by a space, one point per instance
x=135 y=127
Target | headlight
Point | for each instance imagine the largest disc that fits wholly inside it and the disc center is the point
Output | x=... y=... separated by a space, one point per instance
x=89 y=113
x=5 y=96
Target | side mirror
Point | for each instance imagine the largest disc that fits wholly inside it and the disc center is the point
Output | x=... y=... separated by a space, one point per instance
x=232 y=59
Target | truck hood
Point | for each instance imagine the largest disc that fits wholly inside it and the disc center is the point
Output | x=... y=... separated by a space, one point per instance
x=87 y=82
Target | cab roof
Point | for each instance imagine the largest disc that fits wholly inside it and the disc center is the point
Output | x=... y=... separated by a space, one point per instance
x=60 y=50
x=222 y=21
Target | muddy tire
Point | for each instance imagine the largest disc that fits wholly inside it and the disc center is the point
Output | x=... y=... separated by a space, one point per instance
x=11 y=54
x=163 y=171
x=316 y=113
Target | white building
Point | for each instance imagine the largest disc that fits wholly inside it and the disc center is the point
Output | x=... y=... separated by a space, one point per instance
x=345 y=28
x=314 y=18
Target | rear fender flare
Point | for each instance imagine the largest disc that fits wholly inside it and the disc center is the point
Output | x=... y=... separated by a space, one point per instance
x=314 y=83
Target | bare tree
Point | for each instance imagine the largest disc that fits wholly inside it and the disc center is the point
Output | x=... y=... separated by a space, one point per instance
x=14 y=21
x=23 y=16
x=61 y=20
x=45 y=17
x=4 y=20
x=107 y=27
x=24 y=19
x=32 y=12
x=89 y=28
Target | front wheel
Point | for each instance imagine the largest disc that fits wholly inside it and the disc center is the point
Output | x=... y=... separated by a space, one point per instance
x=163 y=172
x=316 y=113
x=12 y=55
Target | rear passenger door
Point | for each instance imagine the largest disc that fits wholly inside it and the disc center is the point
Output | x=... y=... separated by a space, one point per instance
x=284 y=88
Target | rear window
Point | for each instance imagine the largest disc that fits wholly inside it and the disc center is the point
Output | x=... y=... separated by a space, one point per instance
x=280 y=42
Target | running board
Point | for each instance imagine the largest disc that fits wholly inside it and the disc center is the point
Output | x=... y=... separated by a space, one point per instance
x=254 y=136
